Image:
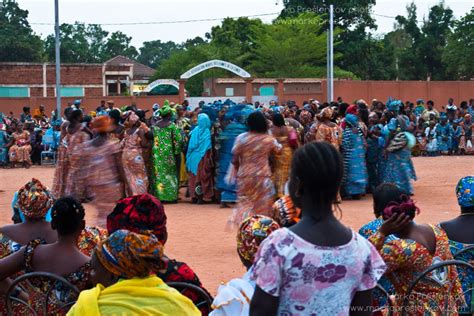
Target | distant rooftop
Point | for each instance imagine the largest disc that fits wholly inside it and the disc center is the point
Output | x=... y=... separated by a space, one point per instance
x=139 y=70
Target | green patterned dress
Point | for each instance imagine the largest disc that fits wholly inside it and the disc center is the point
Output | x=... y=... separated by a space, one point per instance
x=167 y=143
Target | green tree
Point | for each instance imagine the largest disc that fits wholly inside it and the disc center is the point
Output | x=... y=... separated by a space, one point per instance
x=18 y=42
x=153 y=53
x=119 y=44
x=459 y=52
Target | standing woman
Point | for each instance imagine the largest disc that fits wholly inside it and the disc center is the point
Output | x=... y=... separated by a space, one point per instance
x=354 y=148
x=20 y=150
x=326 y=130
x=166 y=157
x=251 y=156
x=288 y=139
x=76 y=140
x=136 y=179
x=62 y=165
x=104 y=157
x=200 y=162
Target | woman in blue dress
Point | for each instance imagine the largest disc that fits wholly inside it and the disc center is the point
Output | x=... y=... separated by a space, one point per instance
x=444 y=134
x=354 y=151
x=4 y=139
x=226 y=143
x=398 y=166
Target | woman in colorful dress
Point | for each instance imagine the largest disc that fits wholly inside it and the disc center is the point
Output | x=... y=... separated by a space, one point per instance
x=398 y=166
x=460 y=234
x=251 y=156
x=465 y=144
x=62 y=164
x=136 y=179
x=105 y=172
x=200 y=162
x=69 y=261
x=288 y=139
x=125 y=285
x=417 y=248
x=4 y=140
x=146 y=213
x=166 y=157
x=444 y=134
x=226 y=140
x=318 y=266
x=233 y=298
x=20 y=150
x=76 y=139
x=354 y=150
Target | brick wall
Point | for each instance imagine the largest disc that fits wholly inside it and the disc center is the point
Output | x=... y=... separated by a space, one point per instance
x=19 y=73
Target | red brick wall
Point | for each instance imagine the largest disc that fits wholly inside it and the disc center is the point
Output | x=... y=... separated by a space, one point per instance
x=75 y=75
x=24 y=74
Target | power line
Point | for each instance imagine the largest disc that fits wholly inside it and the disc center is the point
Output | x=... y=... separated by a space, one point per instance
x=170 y=22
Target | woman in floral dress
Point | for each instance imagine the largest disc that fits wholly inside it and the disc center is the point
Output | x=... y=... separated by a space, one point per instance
x=251 y=155
x=288 y=139
x=20 y=151
x=136 y=179
x=166 y=156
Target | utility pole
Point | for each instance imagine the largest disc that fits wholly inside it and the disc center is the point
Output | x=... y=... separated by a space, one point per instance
x=58 y=61
x=330 y=56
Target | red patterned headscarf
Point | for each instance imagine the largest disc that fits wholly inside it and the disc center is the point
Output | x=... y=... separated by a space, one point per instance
x=139 y=213
x=34 y=199
x=252 y=232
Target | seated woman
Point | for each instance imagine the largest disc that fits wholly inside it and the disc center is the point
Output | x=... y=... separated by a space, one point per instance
x=123 y=268
x=32 y=214
x=20 y=149
x=318 y=266
x=34 y=200
x=144 y=212
x=233 y=297
x=417 y=248
x=461 y=234
x=69 y=262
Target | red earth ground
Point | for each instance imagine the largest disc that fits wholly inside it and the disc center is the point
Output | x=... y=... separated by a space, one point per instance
x=197 y=235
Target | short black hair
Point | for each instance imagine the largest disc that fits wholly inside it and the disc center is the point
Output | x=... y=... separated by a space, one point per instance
x=26 y=109
x=430 y=102
x=384 y=194
x=115 y=116
x=318 y=167
x=257 y=123
x=67 y=216
x=278 y=120
x=75 y=115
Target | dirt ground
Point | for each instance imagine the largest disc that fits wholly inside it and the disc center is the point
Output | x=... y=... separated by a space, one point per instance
x=197 y=235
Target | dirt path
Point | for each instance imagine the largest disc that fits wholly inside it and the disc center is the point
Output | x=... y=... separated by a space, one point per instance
x=197 y=236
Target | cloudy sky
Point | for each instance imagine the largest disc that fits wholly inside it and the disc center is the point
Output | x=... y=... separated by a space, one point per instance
x=139 y=11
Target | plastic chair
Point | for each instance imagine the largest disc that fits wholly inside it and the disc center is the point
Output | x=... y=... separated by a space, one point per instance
x=435 y=277
x=54 y=290
x=204 y=299
x=48 y=157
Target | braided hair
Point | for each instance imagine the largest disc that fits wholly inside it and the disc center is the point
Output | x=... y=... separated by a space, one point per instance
x=67 y=215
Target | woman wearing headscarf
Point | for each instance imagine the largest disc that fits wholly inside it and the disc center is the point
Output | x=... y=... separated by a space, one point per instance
x=226 y=139
x=33 y=201
x=353 y=148
x=20 y=150
x=62 y=164
x=136 y=179
x=324 y=130
x=233 y=298
x=167 y=143
x=122 y=269
x=288 y=139
x=200 y=161
x=104 y=160
x=465 y=144
x=397 y=165
x=146 y=213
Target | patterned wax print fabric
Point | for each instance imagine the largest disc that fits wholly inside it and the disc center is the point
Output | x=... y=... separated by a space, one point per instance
x=136 y=179
x=314 y=280
x=282 y=165
x=254 y=177
x=355 y=167
x=21 y=150
x=285 y=212
x=406 y=258
x=75 y=182
x=3 y=148
x=444 y=135
x=166 y=146
x=465 y=191
x=399 y=169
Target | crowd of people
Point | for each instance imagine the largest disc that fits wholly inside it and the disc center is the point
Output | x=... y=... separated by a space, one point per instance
x=286 y=169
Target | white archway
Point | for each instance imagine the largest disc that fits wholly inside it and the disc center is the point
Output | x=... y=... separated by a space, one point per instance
x=216 y=63
x=161 y=82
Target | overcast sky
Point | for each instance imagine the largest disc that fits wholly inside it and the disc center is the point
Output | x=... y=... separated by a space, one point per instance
x=131 y=11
